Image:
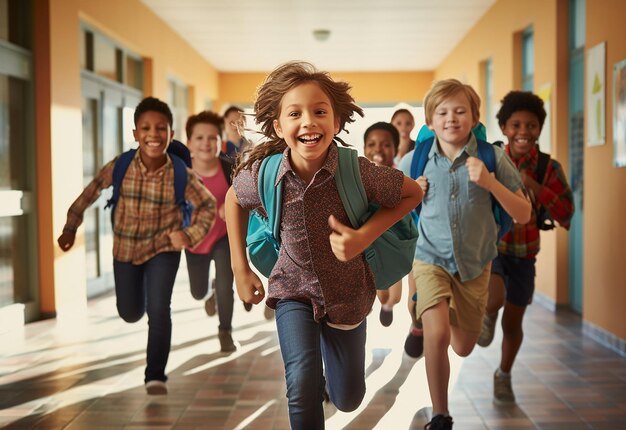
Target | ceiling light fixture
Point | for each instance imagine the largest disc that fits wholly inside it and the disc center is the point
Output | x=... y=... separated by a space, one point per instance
x=321 y=35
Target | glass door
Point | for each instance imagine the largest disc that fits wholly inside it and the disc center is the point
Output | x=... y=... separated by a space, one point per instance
x=105 y=113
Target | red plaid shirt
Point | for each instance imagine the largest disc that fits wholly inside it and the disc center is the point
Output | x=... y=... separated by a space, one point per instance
x=146 y=211
x=556 y=196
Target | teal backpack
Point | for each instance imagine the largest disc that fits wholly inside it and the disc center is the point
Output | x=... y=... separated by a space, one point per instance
x=390 y=257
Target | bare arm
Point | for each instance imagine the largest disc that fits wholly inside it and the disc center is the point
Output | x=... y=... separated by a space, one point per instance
x=249 y=286
x=514 y=203
x=347 y=242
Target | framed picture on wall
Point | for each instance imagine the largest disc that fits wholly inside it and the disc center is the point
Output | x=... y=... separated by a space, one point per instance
x=596 y=95
x=619 y=114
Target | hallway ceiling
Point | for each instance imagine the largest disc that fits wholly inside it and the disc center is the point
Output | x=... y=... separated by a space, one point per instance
x=365 y=35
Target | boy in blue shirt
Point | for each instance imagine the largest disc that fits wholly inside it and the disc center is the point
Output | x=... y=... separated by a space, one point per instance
x=457 y=233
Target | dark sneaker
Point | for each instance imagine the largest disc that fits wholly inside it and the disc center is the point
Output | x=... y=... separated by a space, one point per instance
x=209 y=305
x=502 y=390
x=247 y=306
x=414 y=343
x=226 y=341
x=386 y=317
x=156 y=388
x=439 y=422
x=488 y=330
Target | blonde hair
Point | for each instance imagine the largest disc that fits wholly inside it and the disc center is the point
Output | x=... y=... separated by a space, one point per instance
x=445 y=89
x=268 y=104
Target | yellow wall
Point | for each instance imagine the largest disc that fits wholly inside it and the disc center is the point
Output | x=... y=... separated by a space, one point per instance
x=604 y=271
x=367 y=88
x=132 y=25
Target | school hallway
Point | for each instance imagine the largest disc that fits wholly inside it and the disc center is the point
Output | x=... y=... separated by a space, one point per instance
x=86 y=372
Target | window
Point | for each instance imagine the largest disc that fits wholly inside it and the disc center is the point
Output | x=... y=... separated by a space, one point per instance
x=107 y=59
x=178 y=100
x=528 y=62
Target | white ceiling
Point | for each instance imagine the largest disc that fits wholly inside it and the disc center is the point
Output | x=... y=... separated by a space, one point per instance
x=366 y=35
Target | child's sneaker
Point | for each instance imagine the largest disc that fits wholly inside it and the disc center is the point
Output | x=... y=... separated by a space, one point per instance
x=488 y=330
x=502 y=390
x=209 y=305
x=439 y=422
x=226 y=341
x=414 y=343
x=386 y=317
x=156 y=388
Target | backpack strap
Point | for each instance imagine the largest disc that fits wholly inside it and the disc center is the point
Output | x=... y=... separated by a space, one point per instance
x=542 y=166
x=271 y=195
x=119 y=171
x=487 y=155
x=180 y=184
x=350 y=186
x=418 y=165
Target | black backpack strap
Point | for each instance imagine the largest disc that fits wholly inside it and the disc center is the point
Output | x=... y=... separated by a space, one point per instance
x=227 y=167
x=542 y=166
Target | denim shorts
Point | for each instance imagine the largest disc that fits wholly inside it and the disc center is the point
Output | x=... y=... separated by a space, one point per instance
x=519 y=278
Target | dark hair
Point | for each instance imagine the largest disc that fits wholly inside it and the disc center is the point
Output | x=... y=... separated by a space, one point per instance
x=232 y=109
x=516 y=101
x=401 y=111
x=153 y=104
x=204 y=117
x=269 y=97
x=385 y=126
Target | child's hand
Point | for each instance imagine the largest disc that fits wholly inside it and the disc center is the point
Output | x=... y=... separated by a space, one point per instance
x=66 y=240
x=479 y=174
x=422 y=181
x=179 y=240
x=345 y=241
x=249 y=286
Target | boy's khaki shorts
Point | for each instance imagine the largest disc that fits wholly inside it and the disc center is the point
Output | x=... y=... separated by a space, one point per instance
x=467 y=300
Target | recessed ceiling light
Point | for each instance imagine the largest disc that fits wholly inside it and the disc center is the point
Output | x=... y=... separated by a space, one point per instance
x=321 y=34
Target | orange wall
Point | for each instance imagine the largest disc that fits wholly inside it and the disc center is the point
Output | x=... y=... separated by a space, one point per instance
x=367 y=88
x=132 y=25
x=604 y=271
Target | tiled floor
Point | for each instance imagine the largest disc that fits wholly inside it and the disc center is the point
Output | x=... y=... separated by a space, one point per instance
x=86 y=372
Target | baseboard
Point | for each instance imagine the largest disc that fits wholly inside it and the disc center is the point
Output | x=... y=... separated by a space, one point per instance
x=545 y=301
x=605 y=338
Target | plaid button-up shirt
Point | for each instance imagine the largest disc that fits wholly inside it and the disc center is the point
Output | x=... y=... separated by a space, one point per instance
x=556 y=195
x=146 y=211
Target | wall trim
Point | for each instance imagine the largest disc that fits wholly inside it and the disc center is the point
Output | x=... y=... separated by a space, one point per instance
x=590 y=330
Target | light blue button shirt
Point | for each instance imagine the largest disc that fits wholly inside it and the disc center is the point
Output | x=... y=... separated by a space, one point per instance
x=457 y=230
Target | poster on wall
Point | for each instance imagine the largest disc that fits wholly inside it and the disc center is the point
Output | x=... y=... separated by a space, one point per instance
x=596 y=95
x=619 y=114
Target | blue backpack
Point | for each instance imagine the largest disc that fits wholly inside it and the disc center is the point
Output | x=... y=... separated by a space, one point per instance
x=486 y=154
x=179 y=154
x=390 y=257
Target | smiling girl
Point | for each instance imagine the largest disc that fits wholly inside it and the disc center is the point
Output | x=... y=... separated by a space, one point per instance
x=321 y=287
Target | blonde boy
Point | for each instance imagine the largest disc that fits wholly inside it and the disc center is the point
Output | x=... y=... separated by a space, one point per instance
x=457 y=233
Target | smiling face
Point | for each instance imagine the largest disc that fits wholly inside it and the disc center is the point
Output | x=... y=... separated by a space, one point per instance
x=154 y=134
x=307 y=124
x=452 y=120
x=379 y=147
x=204 y=142
x=522 y=130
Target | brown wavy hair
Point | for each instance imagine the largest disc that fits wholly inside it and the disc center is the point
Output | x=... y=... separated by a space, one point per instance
x=268 y=104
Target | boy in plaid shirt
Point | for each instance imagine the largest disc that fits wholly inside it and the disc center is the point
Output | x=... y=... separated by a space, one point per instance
x=521 y=119
x=147 y=233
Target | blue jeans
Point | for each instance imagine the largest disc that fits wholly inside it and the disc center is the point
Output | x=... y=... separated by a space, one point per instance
x=148 y=287
x=198 y=269
x=304 y=344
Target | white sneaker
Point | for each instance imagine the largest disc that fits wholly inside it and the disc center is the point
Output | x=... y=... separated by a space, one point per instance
x=488 y=330
x=156 y=388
